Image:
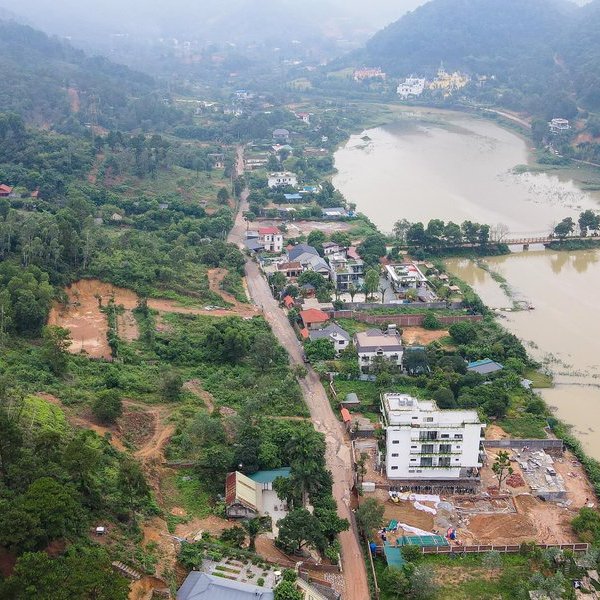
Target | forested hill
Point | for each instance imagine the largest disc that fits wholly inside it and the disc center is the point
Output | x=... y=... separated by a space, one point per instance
x=538 y=50
x=50 y=83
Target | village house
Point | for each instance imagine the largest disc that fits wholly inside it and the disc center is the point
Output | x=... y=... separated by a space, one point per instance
x=335 y=212
x=335 y=334
x=304 y=117
x=411 y=86
x=332 y=248
x=405 y=276
x=309 y=258
x=375 y=344
x=202 y=586
x=290 y=269
x=368 y=73
x=249 y=496
x=217 y=160
x=5 y=190
x=313 y=318
x=282 y=179
x=485 y=366
x=271 y=239
x=448 y=82
x=346 y=272
x=281 y=136
x=425 y=442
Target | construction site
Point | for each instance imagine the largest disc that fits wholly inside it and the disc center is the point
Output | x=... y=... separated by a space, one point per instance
x=538 y=497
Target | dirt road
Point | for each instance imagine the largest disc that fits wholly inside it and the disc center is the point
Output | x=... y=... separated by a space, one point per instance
x=338 y=451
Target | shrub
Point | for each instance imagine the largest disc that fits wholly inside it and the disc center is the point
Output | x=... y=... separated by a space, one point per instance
x=431 y=322
x=411 y=553
x=108 y=406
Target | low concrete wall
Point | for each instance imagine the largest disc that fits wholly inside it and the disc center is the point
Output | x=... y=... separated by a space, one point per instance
x=547 y=445
x=400 y=320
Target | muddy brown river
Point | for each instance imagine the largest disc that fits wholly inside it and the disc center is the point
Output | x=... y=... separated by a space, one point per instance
x=449 y=166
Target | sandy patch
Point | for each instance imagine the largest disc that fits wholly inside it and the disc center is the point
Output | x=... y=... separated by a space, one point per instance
x=420 y=336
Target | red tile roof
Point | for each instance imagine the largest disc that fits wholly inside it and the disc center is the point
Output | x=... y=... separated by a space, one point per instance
x=304 y=333
x=269 y=231
x=313 y=315
x=352 y=253
x=230 y=488
x=5 y=188
x=346 y=415
x=288 y=301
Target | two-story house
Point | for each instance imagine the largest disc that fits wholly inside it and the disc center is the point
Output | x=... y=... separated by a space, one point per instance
x=346 y=271
x=426 y=442
x=375 y=344
x=271 y=239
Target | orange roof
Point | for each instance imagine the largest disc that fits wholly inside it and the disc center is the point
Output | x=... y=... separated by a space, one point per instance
x=313 y=315
x=304 y=333
x=346 y=415
x=269 y=231
x=5 y=188
x=288 y=301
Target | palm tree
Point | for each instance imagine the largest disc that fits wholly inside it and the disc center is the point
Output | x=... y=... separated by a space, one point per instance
x=382 y=291
x=352 y=290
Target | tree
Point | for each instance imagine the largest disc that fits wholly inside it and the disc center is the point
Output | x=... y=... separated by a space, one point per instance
x=299 y=529
x=234 y=535
x=444 y=398
x=588 y=220
x=264 y=353
x=172 y=386
x=352 y=290
x=369 y=516
x=371 y=281
x=411 y=553
x=213 y=465
x=400 y=230
x=319 y=349
x=463 y=332
x=382 y=291
x=394 y=583
x=108 y=406
x=423 y=585
x=252 y=527
x=501 y=467
x=431 y=322
x=223 y=196
x=414 y=360
x=564 y=228
x=316 y=238
x=286 y=590
x=587 y=525
x=56 y=342
x=277 y=281
x=372 y=249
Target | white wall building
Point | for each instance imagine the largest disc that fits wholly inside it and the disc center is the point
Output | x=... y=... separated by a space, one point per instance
x=411 y=86
x=426 y=442
x=559 y=125
x=271 y=238
x=374 y=344
x=282 y=179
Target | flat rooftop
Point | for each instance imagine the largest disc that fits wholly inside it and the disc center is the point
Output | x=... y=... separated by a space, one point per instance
x=401 y=407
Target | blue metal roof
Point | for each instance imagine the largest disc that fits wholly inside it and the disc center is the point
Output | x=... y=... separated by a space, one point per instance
x=269 y=476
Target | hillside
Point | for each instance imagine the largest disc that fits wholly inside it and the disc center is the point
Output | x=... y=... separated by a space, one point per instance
x=51 y=83
x=542 y=53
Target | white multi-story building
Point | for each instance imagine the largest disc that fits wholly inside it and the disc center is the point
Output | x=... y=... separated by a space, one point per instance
x=271 y=238
x=411 y=86
x=282 y=179
x=426 y=442
x=374 y=344
x=559 y=125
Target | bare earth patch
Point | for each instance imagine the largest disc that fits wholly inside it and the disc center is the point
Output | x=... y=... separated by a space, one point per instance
x=420 y=336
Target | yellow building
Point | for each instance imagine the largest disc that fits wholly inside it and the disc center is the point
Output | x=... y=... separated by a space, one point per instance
x=448 y=82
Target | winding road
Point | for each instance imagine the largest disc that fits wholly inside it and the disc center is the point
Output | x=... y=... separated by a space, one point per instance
x=338 y=454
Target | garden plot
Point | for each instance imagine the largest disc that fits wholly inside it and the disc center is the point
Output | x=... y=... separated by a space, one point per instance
x=243 y=571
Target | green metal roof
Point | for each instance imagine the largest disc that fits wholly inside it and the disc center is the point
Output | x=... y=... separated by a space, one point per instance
x=269 y=476
x=393 y=555
x=422 y=540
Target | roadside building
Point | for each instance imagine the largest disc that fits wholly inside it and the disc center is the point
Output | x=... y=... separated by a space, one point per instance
x=282 y=179
x=271 y=239
x=335 y=334
x=202 y=586
x=425 y=442
x=374 y=344
x=313 y=318
x=249 y=496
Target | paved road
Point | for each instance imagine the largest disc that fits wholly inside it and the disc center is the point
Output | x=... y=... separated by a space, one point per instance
x=338 y=451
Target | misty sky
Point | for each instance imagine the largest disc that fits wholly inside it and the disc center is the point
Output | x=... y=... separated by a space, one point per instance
x=205 y=17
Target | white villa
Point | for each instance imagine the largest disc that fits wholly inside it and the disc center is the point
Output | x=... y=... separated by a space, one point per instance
x=559 y=125
x=426 y=442
x=406 y=275
x=282 y=179
x=411 y=86
x=373 y=344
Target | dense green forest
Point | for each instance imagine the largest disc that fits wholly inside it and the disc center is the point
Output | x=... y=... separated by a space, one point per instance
x=544 y=54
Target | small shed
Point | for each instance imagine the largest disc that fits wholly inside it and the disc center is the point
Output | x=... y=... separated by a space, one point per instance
x=485 y=366
x=350 y=401
x=346 y=416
